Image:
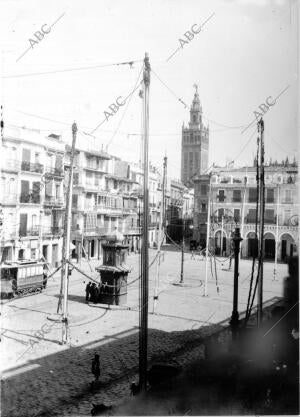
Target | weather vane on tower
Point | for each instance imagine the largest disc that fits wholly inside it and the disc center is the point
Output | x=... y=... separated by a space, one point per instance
x=196 y=88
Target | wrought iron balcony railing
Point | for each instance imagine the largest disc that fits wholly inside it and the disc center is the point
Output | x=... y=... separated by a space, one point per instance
x=30 y=198
x=32 y=167
x=53 y=201
x=59 y=172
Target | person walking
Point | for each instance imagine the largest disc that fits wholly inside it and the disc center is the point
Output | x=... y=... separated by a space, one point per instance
x=96 y=367
x=87 y=291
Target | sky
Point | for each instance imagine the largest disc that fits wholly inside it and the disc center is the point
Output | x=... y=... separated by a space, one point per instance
x=244 y=54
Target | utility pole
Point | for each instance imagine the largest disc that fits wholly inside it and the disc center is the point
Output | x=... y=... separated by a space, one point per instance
x=222 y=227
x=66 y=242
x=143 y=336
x=277 y=233
x=164 y=191
x=160 y=239
x=243 y=212
x=182 y=250
x=207 y=239
x=260 y=126
x=235 y=315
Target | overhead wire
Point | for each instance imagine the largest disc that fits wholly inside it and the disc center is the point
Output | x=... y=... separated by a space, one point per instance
x=130 y=63
x=127 y=105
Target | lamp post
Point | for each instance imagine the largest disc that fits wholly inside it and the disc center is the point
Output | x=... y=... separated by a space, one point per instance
x=235 y=315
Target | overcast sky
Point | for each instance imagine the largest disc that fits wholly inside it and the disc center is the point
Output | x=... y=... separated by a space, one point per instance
x=245 y=53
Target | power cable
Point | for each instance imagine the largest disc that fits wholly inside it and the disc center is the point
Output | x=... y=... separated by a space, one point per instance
x=171 y=91
x=130 y=63
x=125 y=110
x=103 y=121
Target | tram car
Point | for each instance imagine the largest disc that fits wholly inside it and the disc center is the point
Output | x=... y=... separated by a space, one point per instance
x=22 y=277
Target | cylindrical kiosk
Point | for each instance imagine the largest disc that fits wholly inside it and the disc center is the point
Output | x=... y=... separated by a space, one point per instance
x=113 y=272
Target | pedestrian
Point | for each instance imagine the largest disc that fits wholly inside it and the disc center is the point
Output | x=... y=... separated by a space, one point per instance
x=96 y=367
x=93 y=292
x=87 y=291
x=193 y=255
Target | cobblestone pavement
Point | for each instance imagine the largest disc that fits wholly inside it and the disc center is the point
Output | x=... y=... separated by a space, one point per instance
x=50 y=379
x=60 y=384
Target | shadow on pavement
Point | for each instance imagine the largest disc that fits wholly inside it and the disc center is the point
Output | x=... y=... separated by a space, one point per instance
x=227 y=380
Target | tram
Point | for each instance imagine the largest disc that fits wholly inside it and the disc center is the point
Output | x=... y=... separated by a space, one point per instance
x=22 y=277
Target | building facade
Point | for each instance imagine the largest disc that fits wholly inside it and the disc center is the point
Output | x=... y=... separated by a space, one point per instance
x=232 y=195
x=195 y=143
x=32 y=195
x=104 y=200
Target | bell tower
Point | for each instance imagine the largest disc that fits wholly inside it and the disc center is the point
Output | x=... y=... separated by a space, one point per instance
x=195 y=111
x=194 y=144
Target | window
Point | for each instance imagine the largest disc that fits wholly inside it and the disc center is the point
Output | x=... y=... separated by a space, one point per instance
x=34 y=220
x=37 y=158
x=57 y=190
x=203 y=189
x=220 y=214
x=194 y=118
x=252 y=195
x=89 y=178
x=288 y=196
x=32 y=253
x=269 y=216
x=75 y=178
x=221 y=196
x=203 y=208
x=36 y=192
x=236 y=215
x=24 y=192
x=185 y=161
x=196 y=160
x=74 y=200
x=251 y=216
x=191 y=156
x=270 y=195
x=237 y=196
x=287 y=216
x=23 y=224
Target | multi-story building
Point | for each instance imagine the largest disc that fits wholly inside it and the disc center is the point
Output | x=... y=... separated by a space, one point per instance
x=103 y=200
x=194 y=145
x=179 y=209
x=232 y=195
x=32 y=195
x=154 y=198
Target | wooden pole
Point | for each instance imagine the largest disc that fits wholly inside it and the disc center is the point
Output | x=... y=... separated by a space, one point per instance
x=261 y=224
x=277 y=233
x=143 y=345
x=207 y=240
x=160 y=239
x=66 y=242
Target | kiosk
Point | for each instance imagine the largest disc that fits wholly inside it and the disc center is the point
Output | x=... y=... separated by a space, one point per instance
x=113 y=272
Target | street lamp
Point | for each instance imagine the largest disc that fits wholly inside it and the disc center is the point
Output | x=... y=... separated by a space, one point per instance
x=235 y=315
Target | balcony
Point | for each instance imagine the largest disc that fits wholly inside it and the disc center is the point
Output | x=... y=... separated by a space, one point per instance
x=52 y=231
x=30 y=198
x=53 y=201
x=32 y=167
x=33 y=231
x=89 y=231
x=56 y=172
